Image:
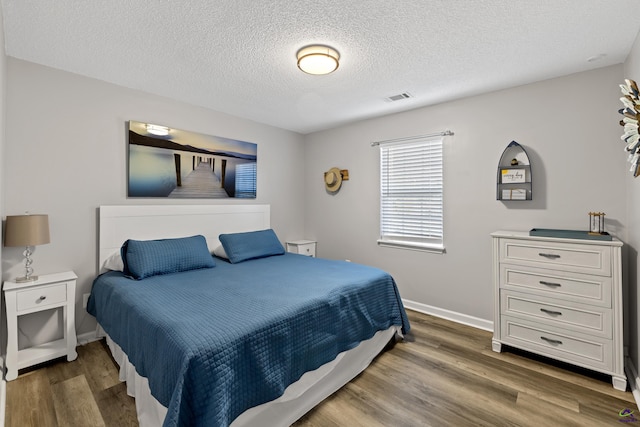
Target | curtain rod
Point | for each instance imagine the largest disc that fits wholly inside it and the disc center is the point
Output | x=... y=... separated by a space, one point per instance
x=409 y=138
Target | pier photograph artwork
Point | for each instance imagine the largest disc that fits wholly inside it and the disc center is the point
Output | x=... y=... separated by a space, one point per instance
x=168 y=162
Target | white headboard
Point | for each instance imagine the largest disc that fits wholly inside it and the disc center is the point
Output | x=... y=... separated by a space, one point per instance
x=146 y=222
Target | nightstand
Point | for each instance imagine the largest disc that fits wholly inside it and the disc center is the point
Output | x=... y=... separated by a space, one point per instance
x=49 y=292
x=302 y=247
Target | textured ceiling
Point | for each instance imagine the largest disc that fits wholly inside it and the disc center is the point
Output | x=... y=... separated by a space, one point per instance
x=239 y=56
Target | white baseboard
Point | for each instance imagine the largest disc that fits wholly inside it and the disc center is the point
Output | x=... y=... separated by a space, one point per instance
x=633 y=379
x=464 y=319
x=87 y=337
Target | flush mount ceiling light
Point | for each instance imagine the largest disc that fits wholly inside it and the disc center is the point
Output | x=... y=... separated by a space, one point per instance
x=318 y=59
x=157 y=130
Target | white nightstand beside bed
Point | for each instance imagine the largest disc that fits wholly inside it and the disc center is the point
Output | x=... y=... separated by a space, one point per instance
x=48 y=292
x=302 y=247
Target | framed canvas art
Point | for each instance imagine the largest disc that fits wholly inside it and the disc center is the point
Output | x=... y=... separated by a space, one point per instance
x=173 y=163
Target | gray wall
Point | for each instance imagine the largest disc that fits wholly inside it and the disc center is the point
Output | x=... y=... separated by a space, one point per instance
x=65 y=155
x=569 y=127
x=632 y=71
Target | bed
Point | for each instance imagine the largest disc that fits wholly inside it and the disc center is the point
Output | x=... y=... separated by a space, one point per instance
x=252 y=336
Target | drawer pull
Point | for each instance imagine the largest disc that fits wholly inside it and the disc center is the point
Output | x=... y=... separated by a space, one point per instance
x=555 y=285
x=550 y=256
x=551 y=312
x=550 y=341
x=42 y=298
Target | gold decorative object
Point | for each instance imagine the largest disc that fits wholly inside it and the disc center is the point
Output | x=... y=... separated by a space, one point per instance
x=596 y=223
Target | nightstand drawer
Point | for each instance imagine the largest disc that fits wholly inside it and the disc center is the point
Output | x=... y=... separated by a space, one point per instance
x=40 y=297
x=588 y=289
x=581 y=258
x=308 y=249
x=576 y=317
x=548 y=341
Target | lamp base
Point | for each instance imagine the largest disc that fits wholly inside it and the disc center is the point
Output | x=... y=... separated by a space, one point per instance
x=25 y=279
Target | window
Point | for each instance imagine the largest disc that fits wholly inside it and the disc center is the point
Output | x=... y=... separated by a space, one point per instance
x=411 y=194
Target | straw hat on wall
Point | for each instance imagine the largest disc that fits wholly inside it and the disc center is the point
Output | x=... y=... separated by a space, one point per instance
x=333 y=179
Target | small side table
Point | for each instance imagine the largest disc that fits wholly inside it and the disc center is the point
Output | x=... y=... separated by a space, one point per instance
x=302 y=247
x=50 y=291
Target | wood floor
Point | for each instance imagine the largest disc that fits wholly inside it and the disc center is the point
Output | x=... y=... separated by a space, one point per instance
x=443 y=374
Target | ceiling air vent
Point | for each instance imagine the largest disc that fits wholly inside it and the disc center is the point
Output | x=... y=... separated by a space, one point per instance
x=398 y=97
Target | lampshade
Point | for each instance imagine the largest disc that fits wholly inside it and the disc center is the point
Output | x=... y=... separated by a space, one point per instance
x=318 y=59
x=26 y=230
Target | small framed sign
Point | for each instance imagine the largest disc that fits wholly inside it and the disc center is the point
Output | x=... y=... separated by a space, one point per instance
x=511 y=176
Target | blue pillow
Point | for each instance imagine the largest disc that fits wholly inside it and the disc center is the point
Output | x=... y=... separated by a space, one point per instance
x=251 y=245
x=144 y=258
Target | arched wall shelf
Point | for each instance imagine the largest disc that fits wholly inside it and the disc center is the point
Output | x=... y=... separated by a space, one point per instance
x=514 y=180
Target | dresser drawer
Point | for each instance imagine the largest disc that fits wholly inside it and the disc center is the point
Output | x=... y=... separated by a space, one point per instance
x=588 y=289
x=40 y=297
x=576 y=317
x=581 y=258
x=575 y=348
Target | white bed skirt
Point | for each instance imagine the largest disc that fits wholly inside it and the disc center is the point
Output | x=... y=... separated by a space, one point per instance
x=312 y=388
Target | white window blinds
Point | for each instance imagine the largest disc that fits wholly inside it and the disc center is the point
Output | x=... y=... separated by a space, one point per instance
x=411 y=193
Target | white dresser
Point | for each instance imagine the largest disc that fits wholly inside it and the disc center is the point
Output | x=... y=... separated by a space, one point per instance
x=560 y=298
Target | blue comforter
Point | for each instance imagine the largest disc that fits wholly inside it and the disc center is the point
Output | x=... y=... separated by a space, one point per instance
x=215 y=342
